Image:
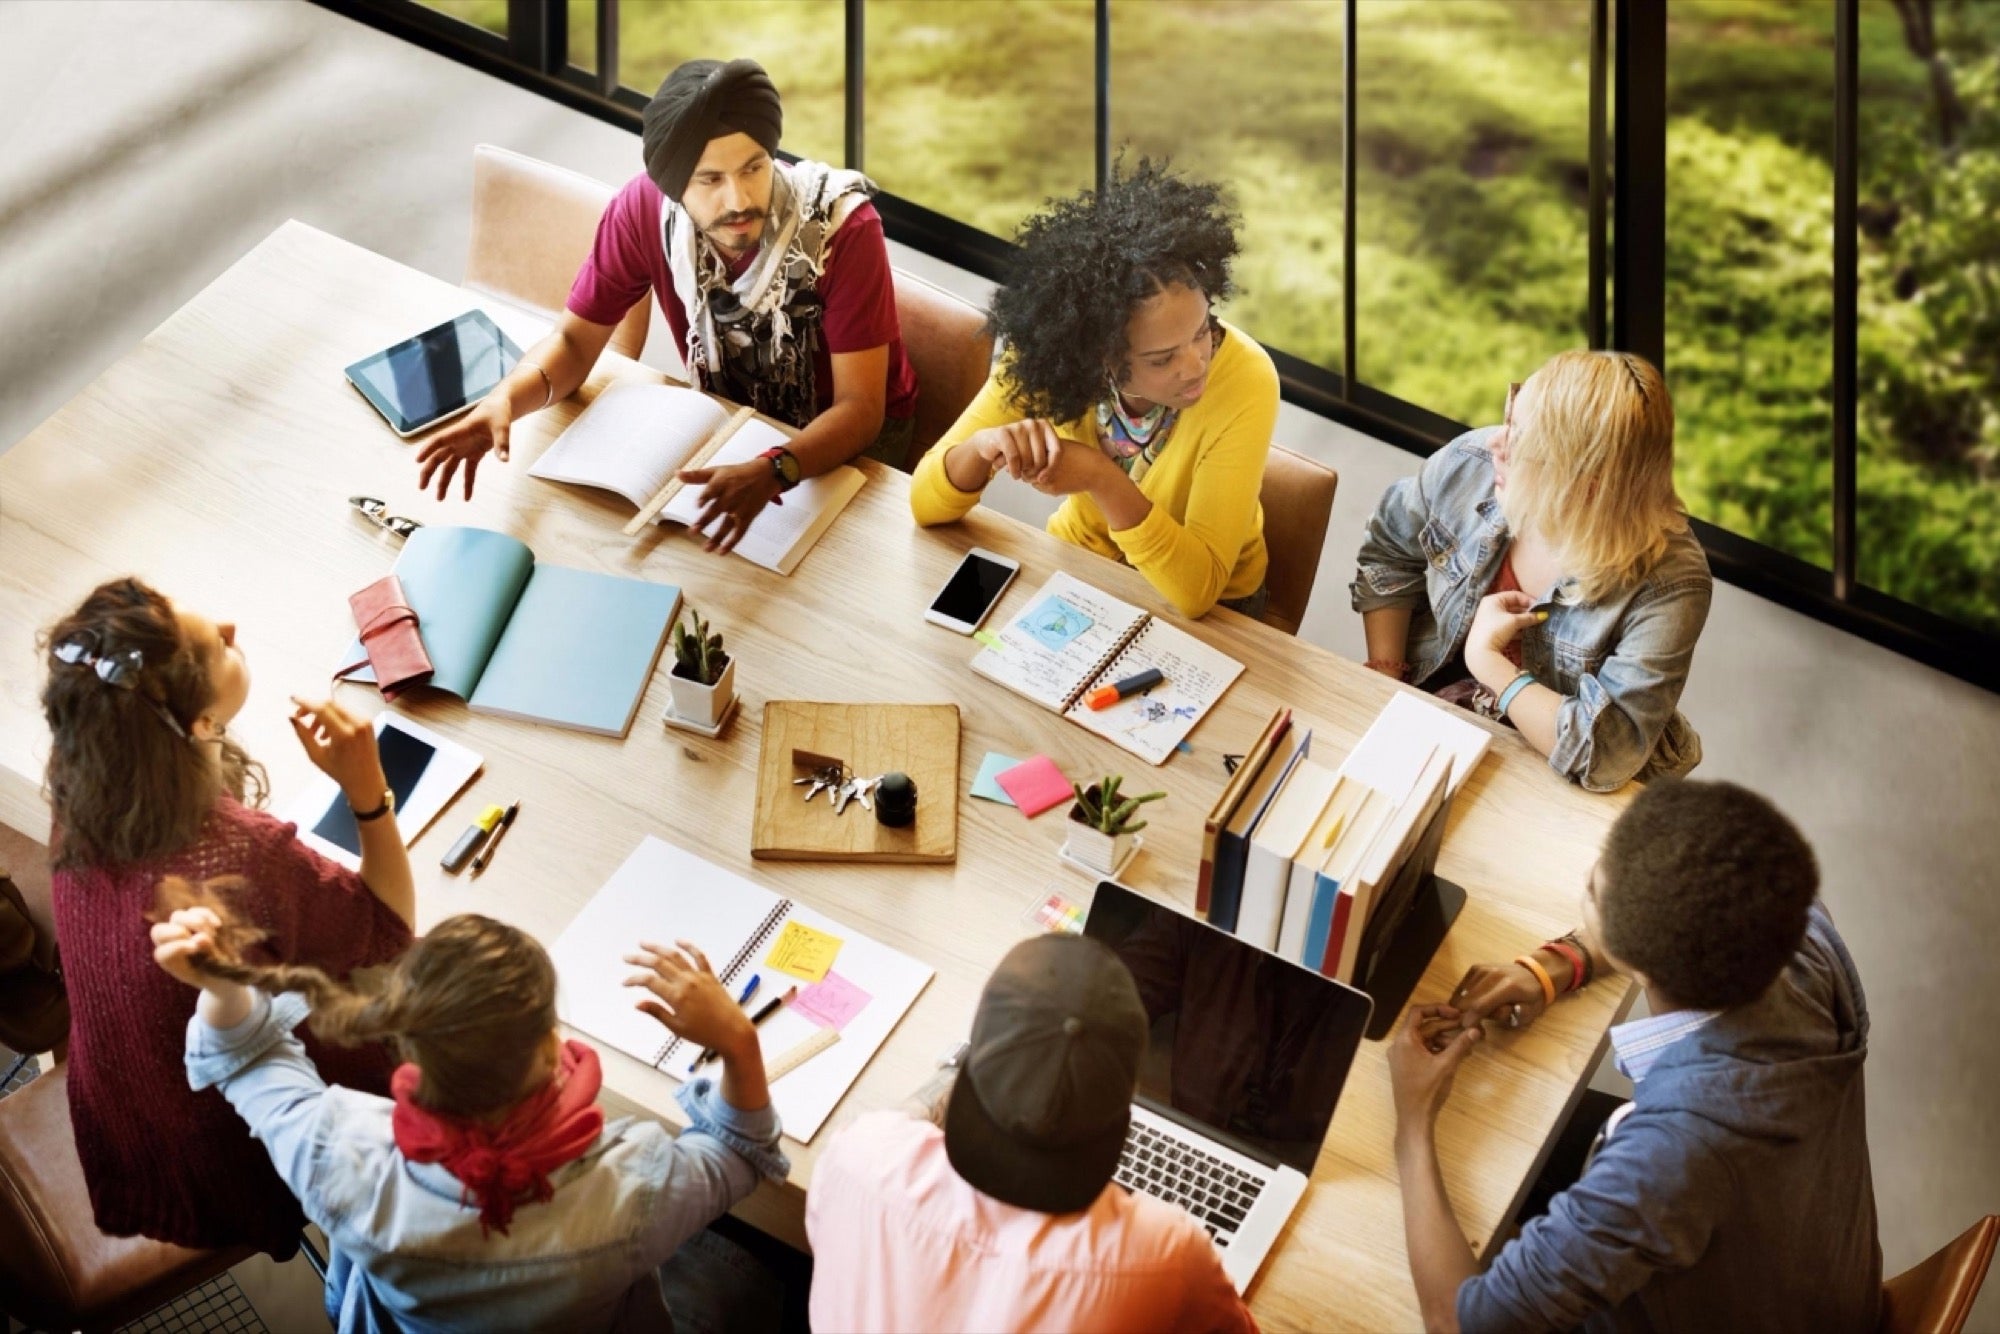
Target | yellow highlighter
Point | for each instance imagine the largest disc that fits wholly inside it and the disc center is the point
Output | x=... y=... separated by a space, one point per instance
x=472 y=840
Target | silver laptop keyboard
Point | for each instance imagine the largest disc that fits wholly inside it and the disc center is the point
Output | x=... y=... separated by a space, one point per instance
x=1217 y=1193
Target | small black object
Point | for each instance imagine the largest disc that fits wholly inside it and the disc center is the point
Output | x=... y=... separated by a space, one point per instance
x=1229 y=762
x=896 y=801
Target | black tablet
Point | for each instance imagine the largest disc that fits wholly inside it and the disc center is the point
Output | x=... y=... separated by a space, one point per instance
x=441 y=372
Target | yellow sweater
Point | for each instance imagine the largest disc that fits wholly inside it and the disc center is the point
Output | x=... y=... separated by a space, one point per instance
x=1204 y=539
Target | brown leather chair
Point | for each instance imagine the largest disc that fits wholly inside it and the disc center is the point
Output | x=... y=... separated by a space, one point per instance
x=950 y=351
x=1936 y=1296
x=1298 y=502
x=532 y=228
x=57 y=1271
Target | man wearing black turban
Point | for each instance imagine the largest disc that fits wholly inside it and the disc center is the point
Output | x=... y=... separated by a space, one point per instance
x=773 y=276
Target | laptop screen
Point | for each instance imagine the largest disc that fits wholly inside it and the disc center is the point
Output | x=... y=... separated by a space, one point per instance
x=1244 y=1045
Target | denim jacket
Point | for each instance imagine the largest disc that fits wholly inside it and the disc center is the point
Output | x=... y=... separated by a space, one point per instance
x=1435 y=545
x=406 y=1254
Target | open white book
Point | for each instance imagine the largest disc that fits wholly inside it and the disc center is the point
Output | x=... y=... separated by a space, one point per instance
x=635 y=437
x=666 y=893
x=1074 y=638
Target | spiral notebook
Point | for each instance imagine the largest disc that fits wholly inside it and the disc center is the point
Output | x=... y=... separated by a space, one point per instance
x=664 y=894
x=1073 y=638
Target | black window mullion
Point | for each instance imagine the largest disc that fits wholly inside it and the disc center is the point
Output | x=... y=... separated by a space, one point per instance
x=856 y=56
x=1846 y=169
x=538 y=34
x=1600 y=22
x=1349 y=99
x=607 y=46
x=1639 y=182
x=1103 y=79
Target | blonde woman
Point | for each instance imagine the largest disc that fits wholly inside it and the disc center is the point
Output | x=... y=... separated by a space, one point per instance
x=1542 y=571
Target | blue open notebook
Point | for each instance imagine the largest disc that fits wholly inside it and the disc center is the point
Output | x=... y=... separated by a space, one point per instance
x=543 y=643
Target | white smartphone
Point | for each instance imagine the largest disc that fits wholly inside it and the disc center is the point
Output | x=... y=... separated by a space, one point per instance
x=972 y=590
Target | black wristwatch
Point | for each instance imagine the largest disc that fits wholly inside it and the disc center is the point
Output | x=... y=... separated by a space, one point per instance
x=388 y=805
x=784 y=466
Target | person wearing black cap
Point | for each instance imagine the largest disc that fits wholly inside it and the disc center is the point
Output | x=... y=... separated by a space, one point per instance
x=998 y=1212
x=773 y=276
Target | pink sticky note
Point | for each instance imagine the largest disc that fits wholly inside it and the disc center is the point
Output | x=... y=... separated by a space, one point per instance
x=831 y=1001
x=1035 y=785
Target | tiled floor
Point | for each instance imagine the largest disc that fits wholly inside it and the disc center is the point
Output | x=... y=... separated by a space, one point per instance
x=144 y=146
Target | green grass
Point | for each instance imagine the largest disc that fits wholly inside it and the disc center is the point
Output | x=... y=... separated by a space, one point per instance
x=1471 y=222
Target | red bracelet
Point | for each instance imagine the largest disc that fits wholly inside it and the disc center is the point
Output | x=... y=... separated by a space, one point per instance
x=1575 y=958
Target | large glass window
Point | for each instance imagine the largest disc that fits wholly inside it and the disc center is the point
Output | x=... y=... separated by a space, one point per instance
x=1928 y=469
x=1472 y=193
x=981 y=109
x=1749 y=291
x=1248 y=95
x=801 y=43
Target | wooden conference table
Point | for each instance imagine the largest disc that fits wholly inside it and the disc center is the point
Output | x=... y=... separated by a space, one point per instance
x=215 y=460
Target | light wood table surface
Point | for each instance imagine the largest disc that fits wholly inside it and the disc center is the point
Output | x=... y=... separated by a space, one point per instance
x=215 y=460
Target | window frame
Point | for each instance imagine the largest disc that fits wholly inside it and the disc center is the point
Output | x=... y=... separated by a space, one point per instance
x=1626 y=276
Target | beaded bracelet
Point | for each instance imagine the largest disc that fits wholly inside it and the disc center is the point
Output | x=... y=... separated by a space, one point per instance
x=1575 y=958
x=1390 y=666
x=1529 y=962
x=1575 y=942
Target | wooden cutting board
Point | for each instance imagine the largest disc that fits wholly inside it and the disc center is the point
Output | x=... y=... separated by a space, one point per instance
x=919 y=739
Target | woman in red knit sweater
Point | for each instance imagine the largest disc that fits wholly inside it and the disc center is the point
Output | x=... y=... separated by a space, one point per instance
x=145 y=782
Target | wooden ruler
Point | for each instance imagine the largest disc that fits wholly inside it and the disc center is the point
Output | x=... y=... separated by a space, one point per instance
x=791 y=1060
x=696 y=460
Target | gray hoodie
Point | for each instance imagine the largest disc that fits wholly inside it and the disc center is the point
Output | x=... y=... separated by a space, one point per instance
x=1735 y=1195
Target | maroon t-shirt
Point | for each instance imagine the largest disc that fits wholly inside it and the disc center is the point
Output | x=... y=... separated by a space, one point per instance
x=628 y=257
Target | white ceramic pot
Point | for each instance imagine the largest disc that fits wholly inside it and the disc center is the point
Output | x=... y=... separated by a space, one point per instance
x=699 y=704
x=1101 y=852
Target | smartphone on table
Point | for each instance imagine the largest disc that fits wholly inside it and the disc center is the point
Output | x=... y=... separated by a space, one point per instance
x=972 y=590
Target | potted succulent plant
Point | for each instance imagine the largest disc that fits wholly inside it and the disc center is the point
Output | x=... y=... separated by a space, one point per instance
x=1101 y=824
x=704 y=677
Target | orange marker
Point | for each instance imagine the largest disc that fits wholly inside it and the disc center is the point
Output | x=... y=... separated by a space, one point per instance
x=1105 y=696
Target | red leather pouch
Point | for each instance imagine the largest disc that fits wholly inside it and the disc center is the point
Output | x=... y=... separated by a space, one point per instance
x=388 y=625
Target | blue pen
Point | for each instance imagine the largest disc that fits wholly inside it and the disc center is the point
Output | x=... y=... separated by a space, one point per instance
x=750 y=988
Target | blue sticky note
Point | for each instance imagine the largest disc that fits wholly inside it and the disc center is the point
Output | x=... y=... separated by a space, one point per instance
x=983 y=786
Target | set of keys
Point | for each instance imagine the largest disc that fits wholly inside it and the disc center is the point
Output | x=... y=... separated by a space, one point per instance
x=840 y=786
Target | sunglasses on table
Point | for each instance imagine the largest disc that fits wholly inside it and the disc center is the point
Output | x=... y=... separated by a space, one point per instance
x=377 y=513
x=119 y=670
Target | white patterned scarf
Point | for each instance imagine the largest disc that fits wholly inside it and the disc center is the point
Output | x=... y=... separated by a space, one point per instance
x=754 y=339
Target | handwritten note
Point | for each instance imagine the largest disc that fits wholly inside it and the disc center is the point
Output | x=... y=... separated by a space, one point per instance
x=1048 y=653
x=1151 y=724
x=803 y=952
x=831 y=1001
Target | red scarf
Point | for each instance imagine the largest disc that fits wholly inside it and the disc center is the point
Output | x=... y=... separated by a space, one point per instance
x=502 y=1165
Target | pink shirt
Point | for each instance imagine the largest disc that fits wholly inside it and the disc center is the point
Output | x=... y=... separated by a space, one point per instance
x=628 y=259
x=901 y=1242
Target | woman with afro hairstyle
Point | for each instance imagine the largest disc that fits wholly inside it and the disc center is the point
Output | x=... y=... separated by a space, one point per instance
x=1120 y=391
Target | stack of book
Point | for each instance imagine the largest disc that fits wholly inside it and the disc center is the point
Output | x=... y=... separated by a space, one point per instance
x=1319 y=865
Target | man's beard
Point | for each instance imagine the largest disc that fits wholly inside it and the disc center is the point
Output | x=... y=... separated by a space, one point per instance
x=722 y=238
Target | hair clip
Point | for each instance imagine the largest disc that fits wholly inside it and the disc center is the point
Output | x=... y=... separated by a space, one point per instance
x=377 y=513
x=118 y=670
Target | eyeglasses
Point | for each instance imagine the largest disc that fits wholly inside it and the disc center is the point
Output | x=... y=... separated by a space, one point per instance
x=118 y=670
x=377 y=513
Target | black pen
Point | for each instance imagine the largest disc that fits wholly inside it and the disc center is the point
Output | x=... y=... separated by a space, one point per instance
x=770 y=1008
x=493 y=843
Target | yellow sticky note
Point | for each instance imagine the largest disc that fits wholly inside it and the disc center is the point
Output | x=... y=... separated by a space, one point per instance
x=803 y=952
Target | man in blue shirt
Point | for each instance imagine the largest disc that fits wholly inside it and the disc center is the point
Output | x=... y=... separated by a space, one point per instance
x=1733 y=1191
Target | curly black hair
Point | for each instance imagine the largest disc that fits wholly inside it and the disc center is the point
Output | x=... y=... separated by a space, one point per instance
x=1704 y=887
x=1085 y=262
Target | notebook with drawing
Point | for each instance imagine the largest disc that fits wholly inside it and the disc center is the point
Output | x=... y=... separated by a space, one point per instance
x=635 y=437
x=1074 y=637
x=847 y=983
